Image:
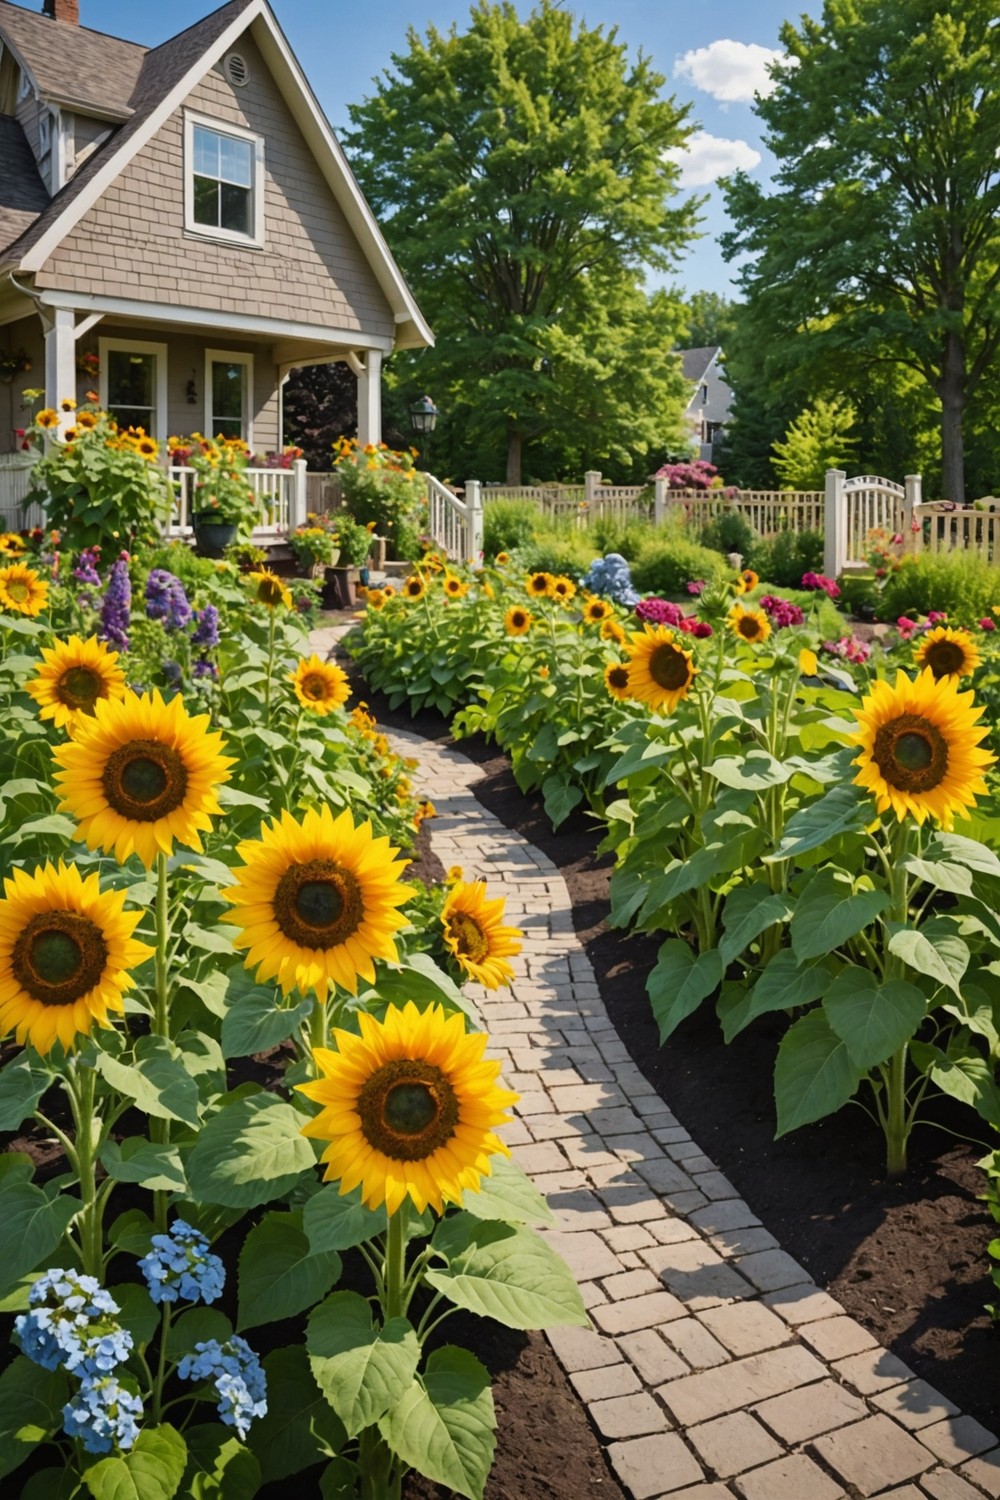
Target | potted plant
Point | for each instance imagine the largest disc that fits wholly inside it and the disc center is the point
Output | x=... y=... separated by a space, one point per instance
x=382 y=486
x=354 y=542
x=224 y=508
x=315 y=547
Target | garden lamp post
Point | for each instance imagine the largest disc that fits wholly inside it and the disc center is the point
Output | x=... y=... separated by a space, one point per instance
x=423 y=419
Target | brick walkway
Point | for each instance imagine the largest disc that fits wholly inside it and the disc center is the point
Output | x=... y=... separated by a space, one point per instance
x=716 y=1369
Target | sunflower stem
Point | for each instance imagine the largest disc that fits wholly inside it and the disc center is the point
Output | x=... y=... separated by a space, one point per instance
x=270 y=668
x=317 y=1024
x=160 y=1129
x=395 y=1262
x=88 y=1220
x=898 y=1122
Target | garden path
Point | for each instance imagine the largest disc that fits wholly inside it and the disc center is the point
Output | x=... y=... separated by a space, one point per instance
x=716 y=1369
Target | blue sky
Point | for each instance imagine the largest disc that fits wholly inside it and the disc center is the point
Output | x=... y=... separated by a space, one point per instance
x=711 y=52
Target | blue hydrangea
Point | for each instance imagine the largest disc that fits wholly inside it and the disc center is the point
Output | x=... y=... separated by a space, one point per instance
x=181 y=1266
x=235 y=1371
x=103 y=1414
x=71 y=1322
x=610 y=578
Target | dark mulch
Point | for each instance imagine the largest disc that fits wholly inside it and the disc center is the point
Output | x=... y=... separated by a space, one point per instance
x=908 y=1258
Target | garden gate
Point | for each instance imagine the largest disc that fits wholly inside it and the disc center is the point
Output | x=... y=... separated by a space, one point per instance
x=855 y=507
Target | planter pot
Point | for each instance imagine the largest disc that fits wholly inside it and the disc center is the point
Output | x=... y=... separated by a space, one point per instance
x=338 y=588
x=211 y=537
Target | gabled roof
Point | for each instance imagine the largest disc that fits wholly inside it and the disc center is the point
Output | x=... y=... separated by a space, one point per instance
x=71 y=64
x=23 y=194
x=695 y=362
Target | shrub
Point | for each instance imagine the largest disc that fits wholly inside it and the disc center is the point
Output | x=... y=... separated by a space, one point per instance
x=666 y=565
x=859 y=595
x=569 y=552
x=783 y=559
x=963 y=587
x=625 y=537
x=728 y=532
x=508 y=524
x=382 y=485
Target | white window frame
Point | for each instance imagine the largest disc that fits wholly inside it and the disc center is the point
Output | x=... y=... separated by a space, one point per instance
x=108 y=346
x=206 y=231
x=230 y=357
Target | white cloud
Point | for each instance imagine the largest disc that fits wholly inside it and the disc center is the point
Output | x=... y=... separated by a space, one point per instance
x=731 y=72
x=706 y=157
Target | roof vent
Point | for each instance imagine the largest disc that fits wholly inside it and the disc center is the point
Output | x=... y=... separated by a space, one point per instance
x=235 y=68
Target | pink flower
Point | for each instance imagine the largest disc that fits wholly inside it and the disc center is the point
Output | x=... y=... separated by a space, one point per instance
x=987 y=624
x=935 y=616
x=914 y=525
x=696 y=586
x=701 y=629
x=907 y=628
x=897 y=540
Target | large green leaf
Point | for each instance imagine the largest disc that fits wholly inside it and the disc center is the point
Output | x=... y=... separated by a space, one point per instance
x=444 y=1426
x=784 y=983
x=941 y=874
x=362 y=1370
x=158 y=1081
x=218 y=1465
x=814 y=1075
x=679 y=981
x=874 y=1019
x=753 y=772
x=962 y=851
x=749 y=910
x=31 y=1403
x=300 y=1427
x=251 y=1152
x=31 y=1226
x=339 y=1222
x=22 y=1083
x=845 y=809
x=280 y=1274
x=560 y=796
x=259 y=1021
x=339 y=1480
x=927 y=958
x=135 y=1159
x=507 y=1272
x=419 y=978
x=509 y=1194
x=136 y=1311
x=966 y=1076
x=829 y=911
x=151 y=1470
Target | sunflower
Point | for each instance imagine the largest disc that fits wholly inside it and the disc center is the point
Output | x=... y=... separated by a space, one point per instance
x=22 y=590
x=538 y=585
x=502 y=559
x=919 y=748
x=148 y=447
x=517 y=621
x=270 y=589
x=86 y=420
x=47 y=418
x=562 y=589
x=612 y=631
x=374 y=599
x=73 y=676
x=948 y=653
x=65 y=953
x=317 y=901
x=141 y=775
x=414 y=587
x=749 y=624
x=409 y=1108
x=453 y=587
x=596 y=611
x=12 y=545
x=660 y=672
x=319 y=685
x=749 y=580
x=616 y=680
x=476 y=935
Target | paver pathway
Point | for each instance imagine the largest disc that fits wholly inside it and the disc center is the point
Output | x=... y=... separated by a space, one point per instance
x=716 y=1369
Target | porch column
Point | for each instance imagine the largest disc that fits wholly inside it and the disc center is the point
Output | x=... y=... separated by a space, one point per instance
x=370 y=399
x=60 y=361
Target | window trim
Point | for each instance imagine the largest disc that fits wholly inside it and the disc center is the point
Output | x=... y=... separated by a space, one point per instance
x=231 y=357
x=106 y=346
x=254 y=241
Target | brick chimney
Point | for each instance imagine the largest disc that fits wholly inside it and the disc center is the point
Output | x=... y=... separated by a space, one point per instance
x=62 y=10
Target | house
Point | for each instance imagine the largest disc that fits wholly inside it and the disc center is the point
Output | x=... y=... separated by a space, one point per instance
x=179 y=228
x=711 y=397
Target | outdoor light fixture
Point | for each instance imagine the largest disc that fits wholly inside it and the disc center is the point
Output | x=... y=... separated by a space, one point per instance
x=192 y=392
x=423 y=415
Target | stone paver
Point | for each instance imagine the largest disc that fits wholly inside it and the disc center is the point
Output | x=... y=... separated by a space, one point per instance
x=699 y=1318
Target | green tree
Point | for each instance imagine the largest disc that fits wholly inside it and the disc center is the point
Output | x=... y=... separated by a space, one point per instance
x=817 y=440
x=711 y=319
x=882 y=233
x=519 y=172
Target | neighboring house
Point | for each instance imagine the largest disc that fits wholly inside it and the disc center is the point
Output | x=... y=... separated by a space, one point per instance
x=708 y=409
x=184 y=217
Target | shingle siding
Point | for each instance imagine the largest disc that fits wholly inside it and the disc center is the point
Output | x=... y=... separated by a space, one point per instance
x=132 y=243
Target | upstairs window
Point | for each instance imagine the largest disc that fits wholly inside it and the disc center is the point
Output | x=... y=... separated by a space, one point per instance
x=223 y=182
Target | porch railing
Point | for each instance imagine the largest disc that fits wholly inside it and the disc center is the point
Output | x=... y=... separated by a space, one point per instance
x=456 y=524
x=281 y=497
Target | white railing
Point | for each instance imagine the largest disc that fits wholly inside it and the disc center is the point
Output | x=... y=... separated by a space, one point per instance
x=15 y=482
x=281 y=497
x=941 y=529
x=455 y=525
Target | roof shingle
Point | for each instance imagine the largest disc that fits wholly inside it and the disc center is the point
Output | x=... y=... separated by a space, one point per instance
x=23 y=194
x=72 y=64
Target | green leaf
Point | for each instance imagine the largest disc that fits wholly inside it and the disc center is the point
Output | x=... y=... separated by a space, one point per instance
x=965 y=1076
x=333 y=1222
x=829 y=911
x=362 y=1370
x=874 y=1020
x=962 y=851
x=783 y=984
x=339 y=1480
x=679 y=982
x=754 y=772
x=137 y=1311
x=845 y=809
x=251 y=1152
x=507 y=1272
x=508 y=1194
x=218 y=1466
x=280 y=1274
x=52 y=1484
x=259 y=1021
x=925 y=957
x=31 y=1403
x=198 y=1325
x=560 y=797
x=31 y=1226
x=418 y=978
x=132 y=1232
x=749 y=911
x=158 y=1082
x=941 y=874
x=300 y=1427
x=151 y=1470
x=814 y=1075
x=444 y=1426
x=158 y=1168
x=22 y=1084
x=208 y=940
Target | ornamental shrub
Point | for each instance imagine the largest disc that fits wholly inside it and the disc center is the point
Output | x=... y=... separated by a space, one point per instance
x=569 y=552
x=728 y=532
x=508 y=524
x=783 y=559
x=667 y=564
x=963 y=587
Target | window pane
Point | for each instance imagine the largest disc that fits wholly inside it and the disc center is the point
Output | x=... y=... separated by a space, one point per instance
x=131 y=379
x=134 y=416
x=227 y=427
x=234 y=208
x=206 y=201
x=236 y=161
x=206 y=152
x=227 y=390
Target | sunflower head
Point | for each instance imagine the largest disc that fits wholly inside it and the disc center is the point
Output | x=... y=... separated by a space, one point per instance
x=475 y=933
x=596 y=611
x=414 y=587
x=408 y=1108
x=374 y=599
x=660 y=671
x=22 y=590
x=73 y=677
x=320 y=686
x=47 y=418
x=948 y=653
x=750 y=625
x=270 y=590
x=562 y=589
x=147 y=447
x=919 y=748
x=616 y=680
x=453 y=587
x=65 y=955
x=502 y=559
x=517 y=620
x=611 y=630
x=539 y=585
x=749 y=580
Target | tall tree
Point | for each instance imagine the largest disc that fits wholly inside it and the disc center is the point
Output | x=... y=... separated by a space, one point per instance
x=711 y=319
x=518 y=171
x=882 y=231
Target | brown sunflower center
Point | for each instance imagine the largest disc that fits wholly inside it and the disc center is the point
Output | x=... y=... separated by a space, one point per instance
x=945 y=658
x=408 y=1109
x=669 y=667
x=618 y=678
x=318 y=904
x=269 y=591
x=80 y=687
x=537 y=586
x=18 y=589
x=518 y=619
x=911 y=753
x=314 y=687
x=748 y=627
x=144 y=780
x=468 y=937
x=58 y=957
